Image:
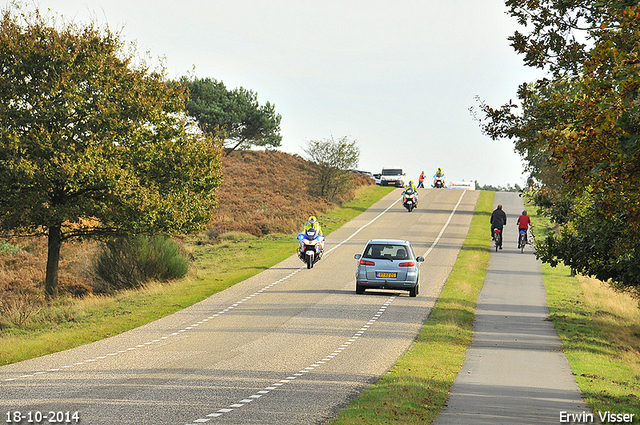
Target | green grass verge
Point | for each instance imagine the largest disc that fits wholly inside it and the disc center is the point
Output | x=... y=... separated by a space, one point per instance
x=415 y=390
x=600 y=332
x=70 y=323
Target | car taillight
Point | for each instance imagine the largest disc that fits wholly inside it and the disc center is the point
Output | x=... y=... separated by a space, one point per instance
x=407 y=264
x=367 y=263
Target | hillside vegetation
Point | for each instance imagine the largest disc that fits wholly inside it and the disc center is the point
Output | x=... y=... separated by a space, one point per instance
x=263 y=193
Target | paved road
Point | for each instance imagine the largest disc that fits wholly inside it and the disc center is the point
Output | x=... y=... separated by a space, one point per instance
x=288 y=346
x=514 y=371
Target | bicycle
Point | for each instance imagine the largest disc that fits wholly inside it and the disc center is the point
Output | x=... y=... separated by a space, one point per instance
x=497 y=237
x=522 y=240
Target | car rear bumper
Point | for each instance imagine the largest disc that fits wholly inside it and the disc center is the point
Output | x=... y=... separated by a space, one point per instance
x=382 y=284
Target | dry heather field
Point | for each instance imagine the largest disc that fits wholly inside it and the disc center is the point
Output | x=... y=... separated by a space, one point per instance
x=265 y=192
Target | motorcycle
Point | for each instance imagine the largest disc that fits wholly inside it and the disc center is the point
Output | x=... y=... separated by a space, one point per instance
x=438 y=182
x=409 y=199
x=311 y=247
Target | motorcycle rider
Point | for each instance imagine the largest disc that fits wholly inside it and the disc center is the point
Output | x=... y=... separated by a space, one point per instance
x=312 y=223
x=523 y=224
x=439 y=174
x=411 y=186
x=421 y=180
x=498 y=220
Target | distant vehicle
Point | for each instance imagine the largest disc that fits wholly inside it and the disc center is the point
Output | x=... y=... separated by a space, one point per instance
x=377 y=178
x=438 y=182
x=409 y=199
x=366 y=173
x=392 y=176
x=311 y=247
x=388 y=264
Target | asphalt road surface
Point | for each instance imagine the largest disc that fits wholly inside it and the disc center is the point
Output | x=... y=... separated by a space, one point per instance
x=515 y=371
x=288 y=346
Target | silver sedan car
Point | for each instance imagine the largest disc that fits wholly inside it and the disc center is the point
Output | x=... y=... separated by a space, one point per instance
x=388 y=264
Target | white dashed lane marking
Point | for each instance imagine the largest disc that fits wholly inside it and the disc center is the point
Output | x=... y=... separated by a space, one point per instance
x=289 y=379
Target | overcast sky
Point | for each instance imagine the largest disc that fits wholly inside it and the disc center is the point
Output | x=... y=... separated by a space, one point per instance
x=396 y=76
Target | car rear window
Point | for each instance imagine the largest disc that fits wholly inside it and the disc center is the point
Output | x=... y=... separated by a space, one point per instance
x=388 y=251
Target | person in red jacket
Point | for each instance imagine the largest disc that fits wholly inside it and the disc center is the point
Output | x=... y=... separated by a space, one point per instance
x=523 y=224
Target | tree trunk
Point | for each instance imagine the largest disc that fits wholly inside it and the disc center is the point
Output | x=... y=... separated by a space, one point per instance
x=53 y=260
x=229 y=150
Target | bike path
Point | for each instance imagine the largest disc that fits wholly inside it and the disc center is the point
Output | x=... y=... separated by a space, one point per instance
x=515 y=371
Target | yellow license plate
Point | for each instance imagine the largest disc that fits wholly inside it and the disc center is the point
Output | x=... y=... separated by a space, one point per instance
x=380 y=274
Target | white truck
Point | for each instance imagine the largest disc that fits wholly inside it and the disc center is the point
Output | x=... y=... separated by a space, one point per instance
x=392 y=176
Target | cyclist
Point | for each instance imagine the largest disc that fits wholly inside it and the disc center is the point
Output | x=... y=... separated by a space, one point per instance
x=523 y=224
x=498 y=220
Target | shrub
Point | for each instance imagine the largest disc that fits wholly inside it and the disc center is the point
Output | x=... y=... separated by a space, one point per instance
x=126 y=263
x=332 y=161
x=7 y=249
x=17 y=307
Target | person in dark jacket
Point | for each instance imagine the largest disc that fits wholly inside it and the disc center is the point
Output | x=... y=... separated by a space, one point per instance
x=498 y=220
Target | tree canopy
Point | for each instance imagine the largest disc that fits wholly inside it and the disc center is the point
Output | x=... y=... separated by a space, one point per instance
x=578 y=130
x=334 y=159
x=91 y=144
x=234 y=114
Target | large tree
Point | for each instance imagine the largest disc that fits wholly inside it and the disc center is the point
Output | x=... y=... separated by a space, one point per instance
x=91 y=144
x=234 y=114
x=333 y=160
x=579 y=131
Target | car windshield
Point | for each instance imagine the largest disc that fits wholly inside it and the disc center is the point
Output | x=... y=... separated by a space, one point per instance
x=391 y=172
x=387 y=251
